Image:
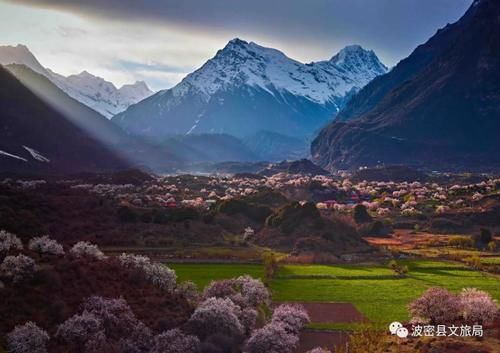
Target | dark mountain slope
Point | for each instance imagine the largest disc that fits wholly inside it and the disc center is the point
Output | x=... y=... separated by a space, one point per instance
x=36 y=138
x=446 y=115
x=134 y=149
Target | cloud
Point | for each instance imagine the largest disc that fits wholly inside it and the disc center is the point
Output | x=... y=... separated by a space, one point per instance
x=153 y=66
x=161 y=41
x=389 y=26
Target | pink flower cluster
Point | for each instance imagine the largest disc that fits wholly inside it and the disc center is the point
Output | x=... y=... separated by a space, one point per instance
x=281 y=335
x=217 y=316
x=45 y=245
x=292 y=317
x=105 y=323
x=84 y=249
x=28 y=338
x=244 y=291
x=175 y=341
x=158 y=274
x=18 y=268
x=272 y=338
x=9 y=241
x=439 y=306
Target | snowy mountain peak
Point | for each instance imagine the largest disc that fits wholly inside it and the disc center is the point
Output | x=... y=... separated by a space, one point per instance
x=241 y=63
x=91 y=90
x=355 y=57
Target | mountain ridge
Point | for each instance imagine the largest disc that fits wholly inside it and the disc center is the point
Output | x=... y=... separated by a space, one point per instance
x=91 y=90
x=442 y=114
x=246 y=88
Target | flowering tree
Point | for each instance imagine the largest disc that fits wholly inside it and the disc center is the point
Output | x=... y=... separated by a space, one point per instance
x=18 y=268
x=78 y=330
x=272 y=338
x=217 y=316
x=244 y=291
x=292 y=317
x=248 y=318
x=254 y=291
x=105 y=323
x=162 y=277
x=436 y=305
x=84 y=249
x=189 y=290
x=158 y=274
x=28 y=338
x=220 y=289
x=45 y=245
x=9 y=241
x=477 y=306
x=175 y=341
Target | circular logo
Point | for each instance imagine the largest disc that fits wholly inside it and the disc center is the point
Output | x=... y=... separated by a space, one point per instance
x=394 y=327
x=402 y=332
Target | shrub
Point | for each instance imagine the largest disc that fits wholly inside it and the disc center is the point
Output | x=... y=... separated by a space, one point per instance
x=28 y=338
x=84 y=249
x=477 y=306
x=319 y=350
x=158 y=274
x=436 y=305
x=482 y=239
x=366 y=340
x=397 y=268
x=127 y=215
x=290 y=217
x=18 y=268
x=174 y=341
x=292 y=317
x=45 y=245
x=361 y=215
x=474 y=261
x=272 y=338
x=461 y=242
x=271 y=265
x=9 y=241
x=216 y=316
x=255 y=212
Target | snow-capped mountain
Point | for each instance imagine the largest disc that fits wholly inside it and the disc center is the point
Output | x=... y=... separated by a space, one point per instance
x=93 y=91
x=248 y=88
x=99 y=94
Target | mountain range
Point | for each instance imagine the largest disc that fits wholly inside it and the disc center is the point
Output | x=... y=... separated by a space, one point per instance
x=439 y=108
x=93 y=91
x=246 y=89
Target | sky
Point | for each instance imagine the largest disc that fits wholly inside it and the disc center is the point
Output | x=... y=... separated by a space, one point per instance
x=160 y=41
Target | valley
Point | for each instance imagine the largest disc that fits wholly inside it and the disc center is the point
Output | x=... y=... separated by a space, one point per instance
x=290 y=192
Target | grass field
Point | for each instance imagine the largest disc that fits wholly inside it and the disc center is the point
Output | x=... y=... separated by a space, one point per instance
x=381 y=297
x=203 y=274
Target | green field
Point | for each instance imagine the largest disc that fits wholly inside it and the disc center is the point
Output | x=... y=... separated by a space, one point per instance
x=203 y=274
x=380 y=296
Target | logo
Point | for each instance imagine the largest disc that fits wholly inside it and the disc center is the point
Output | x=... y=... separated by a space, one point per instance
x=396 y=328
